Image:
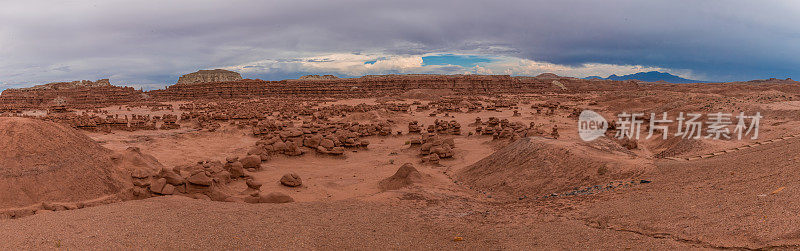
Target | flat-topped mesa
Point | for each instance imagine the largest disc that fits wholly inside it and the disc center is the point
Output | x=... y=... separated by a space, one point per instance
x=209 y=76
x=70 y=85
x=75 y=95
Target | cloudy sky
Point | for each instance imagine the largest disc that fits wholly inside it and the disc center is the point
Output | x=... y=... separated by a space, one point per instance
x=149 y=44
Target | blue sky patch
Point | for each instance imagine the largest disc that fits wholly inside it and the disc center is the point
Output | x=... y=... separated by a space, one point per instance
x=376 y=60
x=453 y=59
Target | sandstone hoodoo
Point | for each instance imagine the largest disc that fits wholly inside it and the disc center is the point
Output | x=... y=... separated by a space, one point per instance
x=253 y=187
x=209 y=76
x=291 y=180
x=251 y=162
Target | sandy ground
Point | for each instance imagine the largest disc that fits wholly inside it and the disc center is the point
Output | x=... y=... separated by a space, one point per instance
x=694 y=204
x=176 y=222
x=741 y=200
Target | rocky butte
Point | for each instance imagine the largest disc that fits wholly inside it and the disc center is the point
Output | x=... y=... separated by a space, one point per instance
x=76 y=94
x=209 y=76
x=71 y=85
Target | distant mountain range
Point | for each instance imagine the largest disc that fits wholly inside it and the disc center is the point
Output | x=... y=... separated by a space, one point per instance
x=652 y=76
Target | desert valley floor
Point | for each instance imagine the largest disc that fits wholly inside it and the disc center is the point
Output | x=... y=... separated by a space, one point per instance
x=410 y=168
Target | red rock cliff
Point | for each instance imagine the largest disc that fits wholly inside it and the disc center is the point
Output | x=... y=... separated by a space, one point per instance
x=77 y=94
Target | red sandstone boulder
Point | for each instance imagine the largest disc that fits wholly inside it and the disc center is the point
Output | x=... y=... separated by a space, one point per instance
x=291 y=180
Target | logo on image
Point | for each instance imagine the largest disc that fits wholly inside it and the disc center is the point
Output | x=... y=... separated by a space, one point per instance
x=591 y=125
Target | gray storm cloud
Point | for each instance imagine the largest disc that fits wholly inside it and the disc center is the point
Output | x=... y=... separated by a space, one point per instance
x=150 y=43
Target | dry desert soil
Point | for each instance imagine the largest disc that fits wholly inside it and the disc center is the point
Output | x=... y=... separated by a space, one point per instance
x=423 y=169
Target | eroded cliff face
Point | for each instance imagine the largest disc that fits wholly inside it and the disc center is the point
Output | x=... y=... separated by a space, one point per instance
x=371 y=85
x=88 y=94
x=77 y=95
x=209 y=76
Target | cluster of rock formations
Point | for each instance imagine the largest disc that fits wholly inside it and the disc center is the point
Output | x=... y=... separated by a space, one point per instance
x=210 y=180
x=433 y=148
x=292 y=125
x=108 y=123
x=503 y=129
x=322 y=137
